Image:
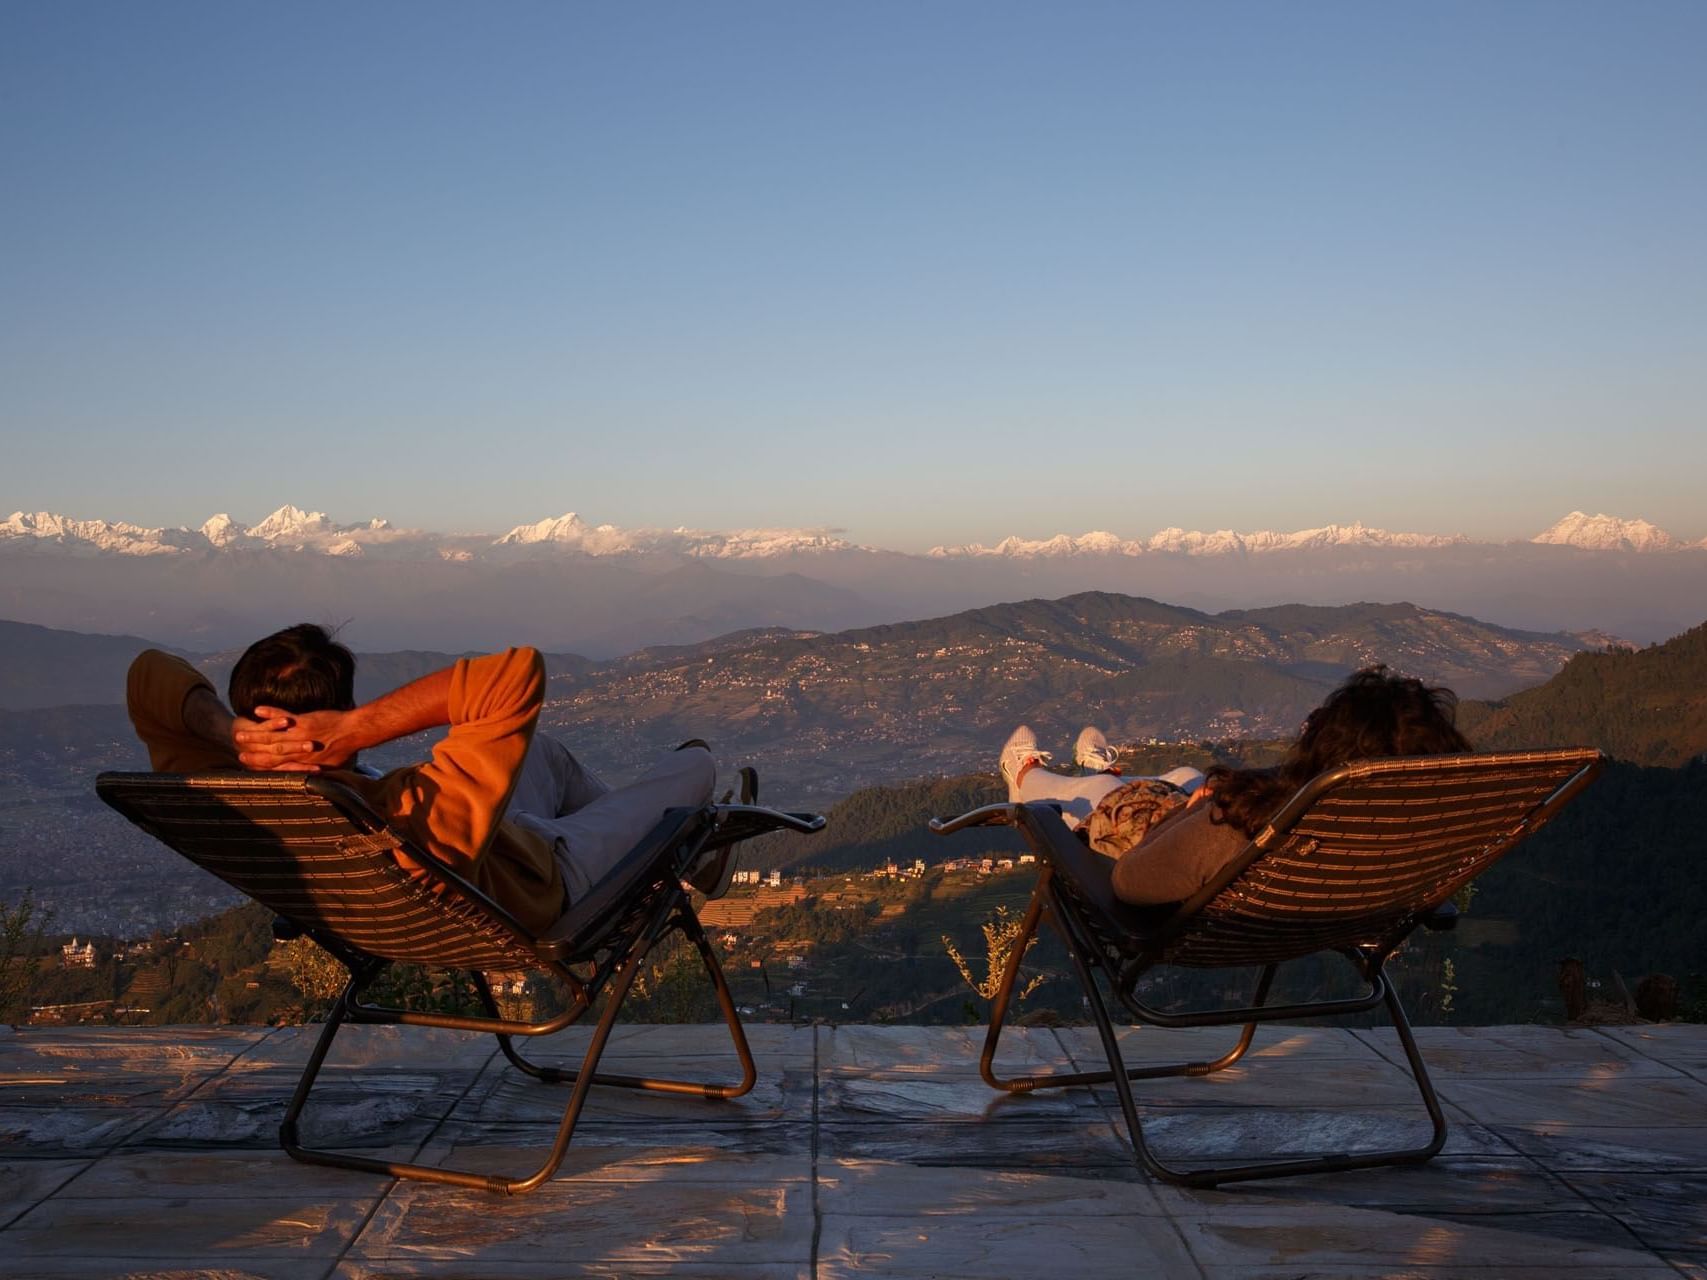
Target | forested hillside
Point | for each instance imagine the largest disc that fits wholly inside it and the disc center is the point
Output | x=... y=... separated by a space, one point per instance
x=1615 y=880
x=1647 y=706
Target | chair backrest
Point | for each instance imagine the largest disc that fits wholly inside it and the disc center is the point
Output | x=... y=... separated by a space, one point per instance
x=1357 y=855
x=310 y=849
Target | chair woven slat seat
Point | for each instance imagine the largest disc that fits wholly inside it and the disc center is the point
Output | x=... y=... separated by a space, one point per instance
x=308 y=848
x=1352 y=864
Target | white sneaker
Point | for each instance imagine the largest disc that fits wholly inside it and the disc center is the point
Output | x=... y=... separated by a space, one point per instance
x=1092 y=751
x=1017 y=752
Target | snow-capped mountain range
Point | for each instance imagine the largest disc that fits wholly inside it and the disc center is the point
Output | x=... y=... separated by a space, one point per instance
x=292 y=529
x=1193 y=542
x=1585 y=532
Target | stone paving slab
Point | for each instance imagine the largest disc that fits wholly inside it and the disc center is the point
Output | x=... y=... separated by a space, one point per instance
x=682 y=1129
x=888 y=1220
x=67 y=1131
x=1456 y=1185
x=651 y=1165
x=898 y=1051
x=863 y=1151
x=1256 y=1132
x=636 y=1046
x=203 y=1231
x=351 y=1107
x=974 y=1247
x=1527 y=1052
x=777 y=1096
x=158 y=1048
x=1089 y=1145
x=25 y=1183
x=883 y=1189
x=1674 y=1044
x=729 y=1224
x=1341 y=1084
x=565 y=1268
x=1568 y=1148
x=1157 y=1046
x=373 y=1048
x=1666 y=1211
x=88 y=1267
x=1537 y=1103
x=80 y=1091
x=957 y=1097
x=1433 y=1270
x=214 y=1175
x=1226 y=1233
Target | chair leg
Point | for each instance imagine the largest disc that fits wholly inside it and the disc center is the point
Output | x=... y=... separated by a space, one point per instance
x=691 y=929
x=1062 y=1079
x=1214 y=1176
x=583 y=1080
x=1246 y=1034
x=289 y=1137
x=1004 y=997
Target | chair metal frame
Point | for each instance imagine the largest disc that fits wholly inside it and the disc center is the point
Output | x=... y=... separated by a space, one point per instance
x=1123 y=942
x=608 y=935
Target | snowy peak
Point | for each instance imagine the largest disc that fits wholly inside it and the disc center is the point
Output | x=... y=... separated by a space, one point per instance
x=290 y=522
x=221 y=530
x=1606 y=533
x=564 y=528
x=570 y=532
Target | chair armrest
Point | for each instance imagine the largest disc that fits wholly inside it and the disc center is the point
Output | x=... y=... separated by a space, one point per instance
x=990 y=815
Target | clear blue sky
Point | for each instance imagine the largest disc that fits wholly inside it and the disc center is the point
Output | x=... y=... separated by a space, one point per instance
x=927 y=272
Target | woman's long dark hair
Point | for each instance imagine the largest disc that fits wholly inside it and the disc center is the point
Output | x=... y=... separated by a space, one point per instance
x=1374 y=713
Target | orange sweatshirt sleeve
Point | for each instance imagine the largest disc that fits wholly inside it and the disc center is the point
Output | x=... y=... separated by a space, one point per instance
x=155 y=692
x=453 y=803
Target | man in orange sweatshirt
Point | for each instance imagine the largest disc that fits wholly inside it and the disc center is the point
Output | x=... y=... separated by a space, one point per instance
x=513 y=812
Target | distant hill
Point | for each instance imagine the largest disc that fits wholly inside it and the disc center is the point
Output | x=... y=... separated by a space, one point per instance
x=835 y=712
x=1648 y=706
x=42 y=667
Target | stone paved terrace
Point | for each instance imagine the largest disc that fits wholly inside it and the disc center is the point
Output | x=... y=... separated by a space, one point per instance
x=863 y=1151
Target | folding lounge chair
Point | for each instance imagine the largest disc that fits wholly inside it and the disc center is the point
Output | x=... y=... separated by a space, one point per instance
x=312 y=850
x=1354 y=863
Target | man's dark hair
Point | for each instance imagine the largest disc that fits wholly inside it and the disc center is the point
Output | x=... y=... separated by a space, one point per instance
x=298 y=669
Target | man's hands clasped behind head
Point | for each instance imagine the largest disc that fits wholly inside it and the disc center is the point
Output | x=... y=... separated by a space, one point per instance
x=295 y=742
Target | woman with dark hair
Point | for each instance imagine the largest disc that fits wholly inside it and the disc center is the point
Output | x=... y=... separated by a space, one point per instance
x=1169 y=844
